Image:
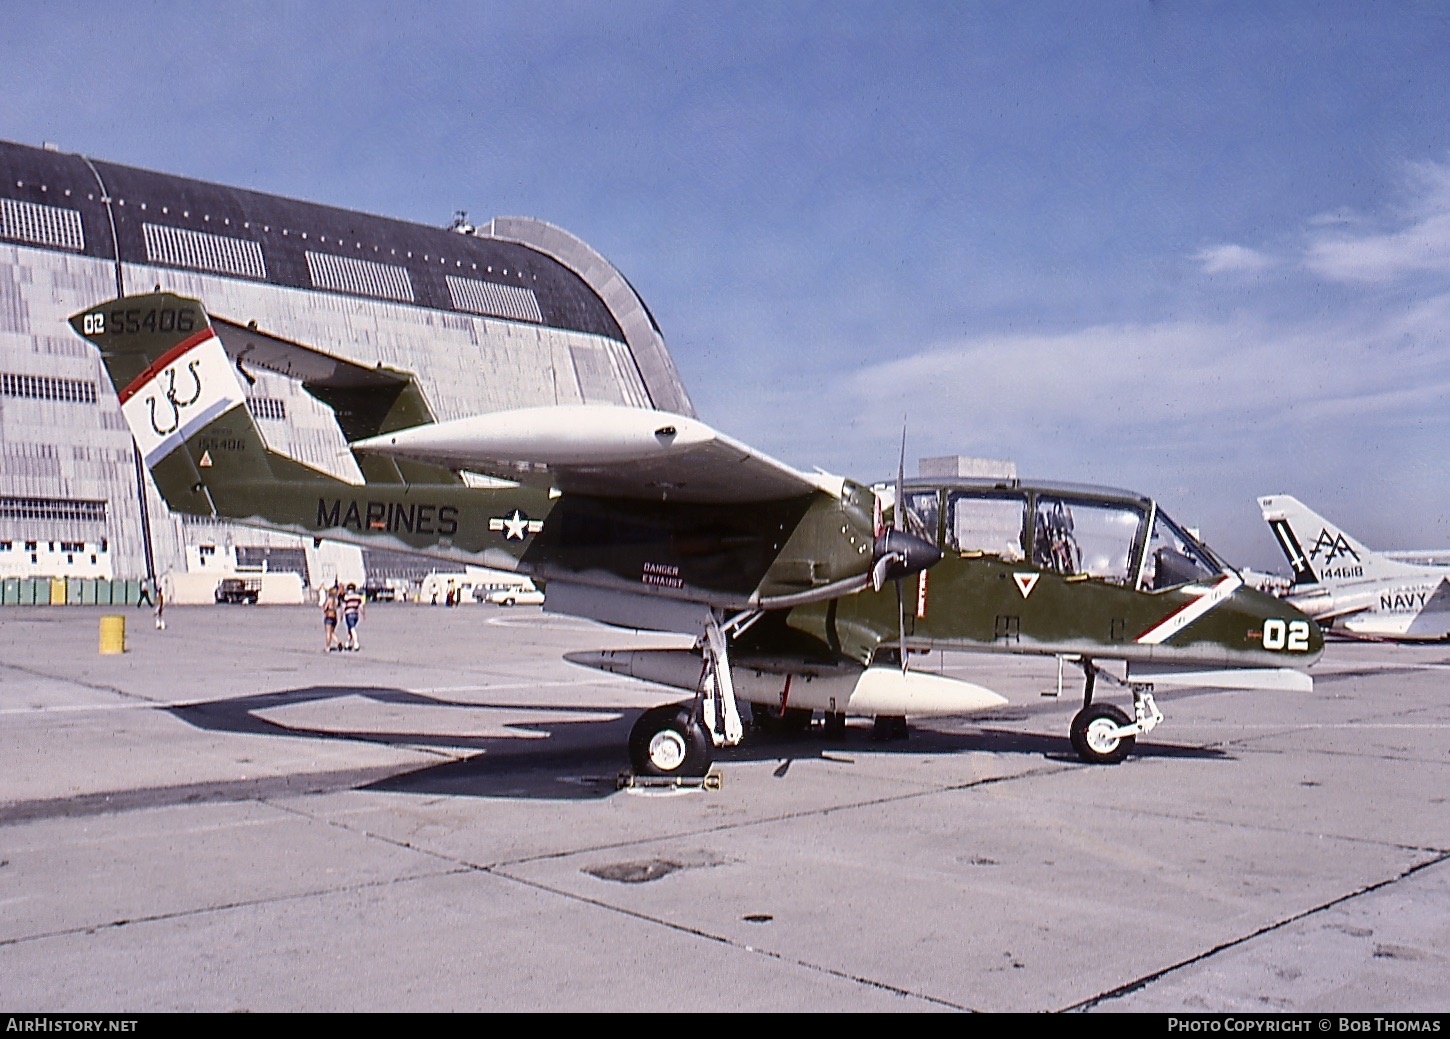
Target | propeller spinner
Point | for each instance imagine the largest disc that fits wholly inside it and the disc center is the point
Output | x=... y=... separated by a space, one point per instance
x=897 y=553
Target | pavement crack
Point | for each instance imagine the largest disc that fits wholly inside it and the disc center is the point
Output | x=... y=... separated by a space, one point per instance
x=1147 y=979
x=199 y=911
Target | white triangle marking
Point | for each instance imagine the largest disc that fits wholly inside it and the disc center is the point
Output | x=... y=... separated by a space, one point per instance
x=1025 y=583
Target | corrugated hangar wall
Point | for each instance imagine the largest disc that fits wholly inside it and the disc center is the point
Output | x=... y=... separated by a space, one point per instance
x=515 y=313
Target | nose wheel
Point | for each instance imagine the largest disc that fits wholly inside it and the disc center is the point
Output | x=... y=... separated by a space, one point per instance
x=1095 y=734
x=1103 y=734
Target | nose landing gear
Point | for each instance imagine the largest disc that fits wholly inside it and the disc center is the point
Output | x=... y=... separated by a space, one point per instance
x=1102 y=734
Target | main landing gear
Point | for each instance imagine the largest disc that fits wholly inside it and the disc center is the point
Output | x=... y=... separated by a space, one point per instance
x=1103 y=734
x=670 y=741
x=680 y=739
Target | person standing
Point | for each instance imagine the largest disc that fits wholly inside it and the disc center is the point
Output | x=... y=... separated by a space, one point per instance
x=331 y=604
x=160 y=608
x=352 y=612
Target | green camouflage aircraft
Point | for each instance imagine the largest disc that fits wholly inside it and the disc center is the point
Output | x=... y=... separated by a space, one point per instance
x=654 y=521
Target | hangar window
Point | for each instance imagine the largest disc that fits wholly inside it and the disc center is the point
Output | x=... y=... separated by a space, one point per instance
x=359 y=277
x=47 y=387
x=41 y=225
x=197 y=250
x=273 y=408
x=51 y=509
x=494 y=300
x=30 y=459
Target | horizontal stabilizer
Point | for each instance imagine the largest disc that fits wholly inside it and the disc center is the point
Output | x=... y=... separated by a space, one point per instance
x=252 y=348
x=366 y=400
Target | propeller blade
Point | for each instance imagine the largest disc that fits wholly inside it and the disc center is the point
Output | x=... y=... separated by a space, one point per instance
x=898 y=516
x=899 y=513
x=881 y=569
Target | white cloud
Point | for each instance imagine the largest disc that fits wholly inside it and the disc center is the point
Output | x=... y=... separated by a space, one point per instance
x=1233 y=259
x=1102 y=379
x=1421 y=245
x=1382 y=258
x=1348 y=247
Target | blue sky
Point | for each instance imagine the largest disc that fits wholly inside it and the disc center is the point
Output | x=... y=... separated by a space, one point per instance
x=1201 y=250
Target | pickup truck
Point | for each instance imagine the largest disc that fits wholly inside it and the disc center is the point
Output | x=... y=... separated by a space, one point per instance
x=238 y=590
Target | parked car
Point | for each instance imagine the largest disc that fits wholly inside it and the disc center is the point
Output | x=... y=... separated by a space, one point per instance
x=520 y=596
x=238 y=590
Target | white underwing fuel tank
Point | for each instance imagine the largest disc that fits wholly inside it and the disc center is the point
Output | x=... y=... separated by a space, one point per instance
x=844 y=688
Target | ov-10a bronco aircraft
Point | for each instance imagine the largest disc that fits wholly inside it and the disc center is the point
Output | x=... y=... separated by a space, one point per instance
x=794 y=585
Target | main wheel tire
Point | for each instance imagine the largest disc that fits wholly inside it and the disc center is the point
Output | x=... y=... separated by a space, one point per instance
x=789 y=721
x=670 y=741
x=1094 y=734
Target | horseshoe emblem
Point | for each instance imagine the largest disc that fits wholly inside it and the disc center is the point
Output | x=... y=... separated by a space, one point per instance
x=171 y=398
x=191 y=367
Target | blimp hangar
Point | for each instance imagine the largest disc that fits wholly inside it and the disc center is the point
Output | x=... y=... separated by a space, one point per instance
x=511 y=313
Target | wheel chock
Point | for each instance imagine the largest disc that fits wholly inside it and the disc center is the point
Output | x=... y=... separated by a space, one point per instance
x=631 y=781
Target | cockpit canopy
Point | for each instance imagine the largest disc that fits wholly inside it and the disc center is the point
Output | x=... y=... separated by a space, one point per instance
x=1112 y=536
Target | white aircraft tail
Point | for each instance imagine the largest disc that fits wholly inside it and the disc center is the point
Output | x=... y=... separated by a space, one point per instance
x=1322 y=553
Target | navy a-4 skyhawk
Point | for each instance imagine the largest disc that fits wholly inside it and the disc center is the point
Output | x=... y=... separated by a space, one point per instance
x=805 y=592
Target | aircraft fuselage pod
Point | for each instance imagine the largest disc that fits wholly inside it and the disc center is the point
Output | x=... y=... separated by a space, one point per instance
x=1069 y=571
x=1087 y=575
x=1084 y=574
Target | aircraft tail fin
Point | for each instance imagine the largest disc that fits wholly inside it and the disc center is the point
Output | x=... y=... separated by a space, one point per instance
x=1319 y=551
x=184 y=402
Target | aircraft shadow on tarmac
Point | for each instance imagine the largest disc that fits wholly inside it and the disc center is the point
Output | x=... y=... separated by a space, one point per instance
x=586 y=763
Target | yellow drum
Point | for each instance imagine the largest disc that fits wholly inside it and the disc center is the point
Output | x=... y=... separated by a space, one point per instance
x=113 y=634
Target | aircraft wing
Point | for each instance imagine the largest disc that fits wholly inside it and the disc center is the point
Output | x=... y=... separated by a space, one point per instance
x=604 y=451
x=1325 y=605
x=1423 y=557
